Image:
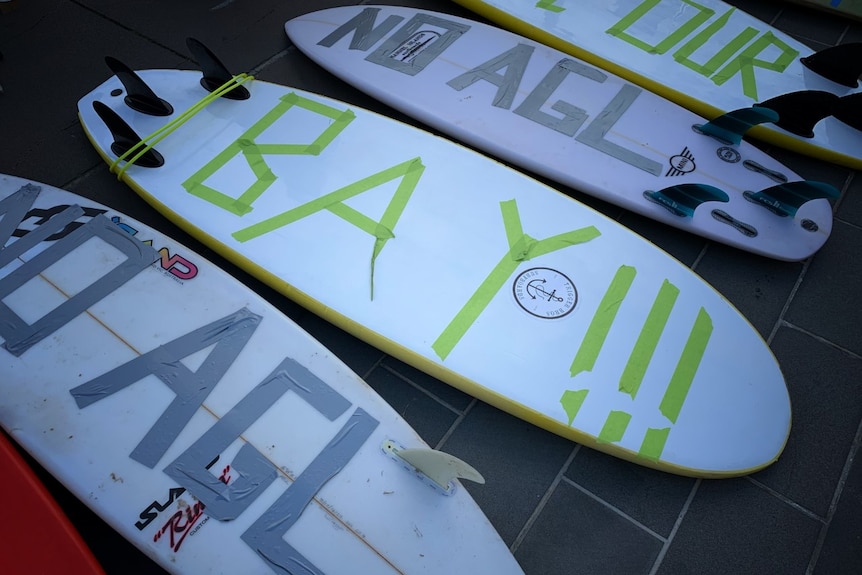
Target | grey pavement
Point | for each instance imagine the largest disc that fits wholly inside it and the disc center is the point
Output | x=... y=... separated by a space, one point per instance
x=562 y=508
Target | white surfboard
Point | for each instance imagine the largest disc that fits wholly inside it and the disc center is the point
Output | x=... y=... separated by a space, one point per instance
x=466 y=269
x=559 y=117
x=197 y=420
x=710 y=57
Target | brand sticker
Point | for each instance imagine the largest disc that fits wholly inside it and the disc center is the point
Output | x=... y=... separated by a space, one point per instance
x=728 y=154
x=414 y=45
x=682 y=163
x=545 y=293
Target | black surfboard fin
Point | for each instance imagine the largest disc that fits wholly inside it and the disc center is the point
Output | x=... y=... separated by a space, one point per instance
x=125 y=137
x=139 y=96
x=785 y=199
x=730 y=127
x=799 y=112
x=215 y=74
x=683 y=199
x=842 y=64
x=849 y=110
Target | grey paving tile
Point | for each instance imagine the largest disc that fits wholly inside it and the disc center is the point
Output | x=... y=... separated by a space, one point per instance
x=36 y=75
x=841 y=553
x=757 y=286
x=850 y=207
x=578 y=535
x=426 y=415
x=452 y=397
x=811 y=27
x=832 y=282
x=826 y=395
x=519 y=462
x=732 y=526
x=652 y=498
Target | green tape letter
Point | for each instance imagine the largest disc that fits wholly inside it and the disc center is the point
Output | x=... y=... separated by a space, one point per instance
x=572 y=402
x=720 y=57
x=618 y=29
x=254 y=153
x=522 y=248
x=615 y=426
x=602 y=320
x=745 y=63
x=686 y=368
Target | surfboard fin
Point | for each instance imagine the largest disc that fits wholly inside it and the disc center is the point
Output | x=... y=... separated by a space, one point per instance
x=849 y=110
x=139 y=96
x=439 y=467
x=125 y=137
x=215 y=74
x=842 y=64
x=785 y=199
x=799 y=112
x=683 y=199
x=730 y=127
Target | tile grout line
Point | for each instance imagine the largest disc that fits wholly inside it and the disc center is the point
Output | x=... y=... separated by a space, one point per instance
x=424 y=391
x=669 y=541
x=534 y=516
x=786 y=500
x=615 y=509
x=836 y=497
x=821 y=339
x=456 y=423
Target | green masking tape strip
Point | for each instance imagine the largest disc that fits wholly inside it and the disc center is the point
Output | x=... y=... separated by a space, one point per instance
x=614 y=427
x=721 y=56
x=143 y=147
x=644 y=348
x=745 y=63
x=681 y=32
x=572 y=402
x=254 y=152
x=601 y=323
x=521 y=248
x=409 y=172
x=549 y=5
x=686 y=368
x=653 y=443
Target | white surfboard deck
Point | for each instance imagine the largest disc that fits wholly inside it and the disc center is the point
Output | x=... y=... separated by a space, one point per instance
x=200 y=422
x=466 y=269
x=707 y=56
x=594 y=132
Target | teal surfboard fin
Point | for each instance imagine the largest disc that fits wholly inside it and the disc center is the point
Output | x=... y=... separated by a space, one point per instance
x=139 y=96
x=683 y=199
x=849 y=110
x=435 y=466
x=842 y=64
x=730 y=127
x=215 y=74
x=799 y=112
x=785 y=199
x=125 y=138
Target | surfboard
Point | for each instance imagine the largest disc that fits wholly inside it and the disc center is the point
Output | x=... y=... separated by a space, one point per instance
x=566 y=120
x=28 y=508
x=711 y=58
x=447 y=260
x=845 y=8
x=198 y=421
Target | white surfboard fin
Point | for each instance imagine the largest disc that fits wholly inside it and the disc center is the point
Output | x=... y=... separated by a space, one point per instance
x=215 y=73
x=437 y=466
x=139 y=96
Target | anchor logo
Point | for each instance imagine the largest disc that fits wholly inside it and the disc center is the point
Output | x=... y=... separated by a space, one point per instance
x=545 y=293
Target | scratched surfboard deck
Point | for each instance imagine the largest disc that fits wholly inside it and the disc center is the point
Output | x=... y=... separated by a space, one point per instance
x=707 y=56
x=28 y=508
x=847 y=8
x=537 y=108
x=471 y=271
x=196 y=419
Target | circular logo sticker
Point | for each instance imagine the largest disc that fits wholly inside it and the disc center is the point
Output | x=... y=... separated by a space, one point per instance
x=728 y=154
x=682 y=164
x=545 y=293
